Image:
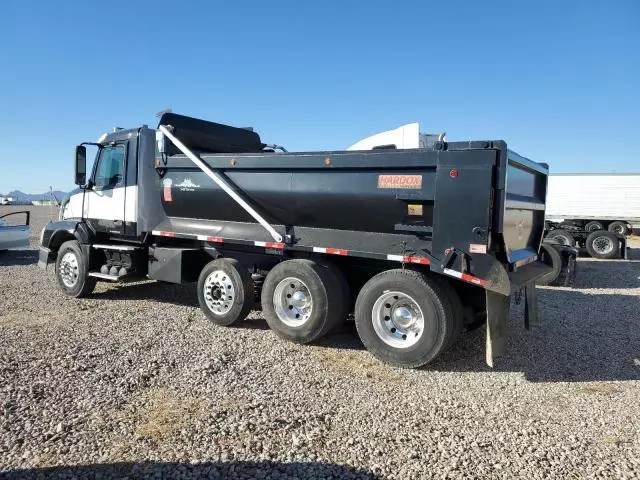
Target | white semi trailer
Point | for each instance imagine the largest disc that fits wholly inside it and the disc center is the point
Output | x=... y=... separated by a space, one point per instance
x=595 y=201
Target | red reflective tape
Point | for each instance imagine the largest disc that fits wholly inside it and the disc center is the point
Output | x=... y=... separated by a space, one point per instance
x=274 y=245
x=421 y=260
x=167 y=234
x=215 y=239
x=470 y=278
x=337 y=251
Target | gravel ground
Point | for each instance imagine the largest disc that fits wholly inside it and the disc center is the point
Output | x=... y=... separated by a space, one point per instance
x=134 y=382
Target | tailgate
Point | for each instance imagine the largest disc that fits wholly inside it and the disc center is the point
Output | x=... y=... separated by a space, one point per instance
x=524 y=196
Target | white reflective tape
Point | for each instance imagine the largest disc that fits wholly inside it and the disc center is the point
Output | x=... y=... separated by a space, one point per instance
x=395 y=258
x=260 y=244
x=202 y=237
x=155 y=232
x=319 y=249
x=453 y=273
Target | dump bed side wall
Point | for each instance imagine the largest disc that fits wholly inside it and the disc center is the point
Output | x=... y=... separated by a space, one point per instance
x=523 y=208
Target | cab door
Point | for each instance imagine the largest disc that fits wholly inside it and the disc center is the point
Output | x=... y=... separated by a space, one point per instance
x=105 y=201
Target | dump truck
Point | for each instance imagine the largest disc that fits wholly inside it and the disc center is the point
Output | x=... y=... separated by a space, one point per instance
x=415 y=243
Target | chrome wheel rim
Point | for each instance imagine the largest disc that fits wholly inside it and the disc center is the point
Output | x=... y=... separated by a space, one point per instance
x=69 y=269
x=292 y=302
x=618 y=229
x=219 y=293
x=397 y=319
x=603 y=245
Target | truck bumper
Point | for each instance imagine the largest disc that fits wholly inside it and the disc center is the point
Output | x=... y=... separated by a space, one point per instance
x=44 y=258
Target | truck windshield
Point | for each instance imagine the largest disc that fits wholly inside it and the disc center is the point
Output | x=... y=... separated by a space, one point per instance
x=110 y=168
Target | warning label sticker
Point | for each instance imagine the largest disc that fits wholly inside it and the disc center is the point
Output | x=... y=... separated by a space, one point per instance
x=400 y=181
x=166 y=190
x=477 y=248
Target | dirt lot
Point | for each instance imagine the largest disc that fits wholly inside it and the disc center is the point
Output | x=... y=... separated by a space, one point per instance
x=134 y=381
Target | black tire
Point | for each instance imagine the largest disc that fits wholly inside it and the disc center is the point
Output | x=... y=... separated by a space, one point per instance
x=563 y=237
x=431 y=299
x=72 y=274
x=550 y=256
x=619 y=228
x=230 y=275
x=456 y=307
x=344 y=288
x=315 y=282
x=603 y=245
x=594 y=226
x=567 y=274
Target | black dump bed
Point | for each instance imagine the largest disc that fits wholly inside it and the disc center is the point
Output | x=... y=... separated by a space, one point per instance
x=475 y=207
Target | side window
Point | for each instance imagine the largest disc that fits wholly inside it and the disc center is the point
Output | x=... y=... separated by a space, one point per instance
x=110 y=170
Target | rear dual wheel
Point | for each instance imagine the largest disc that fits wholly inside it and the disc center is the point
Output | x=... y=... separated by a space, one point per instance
x=603 y=245
x=303 y=300
x=405 y=318
x=619 y=228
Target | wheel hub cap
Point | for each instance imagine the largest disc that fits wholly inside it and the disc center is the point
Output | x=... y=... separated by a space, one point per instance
x=69 y=270
x=292 y=302
x=219 y=294
x=402 y=316
x=603 y=245
x=398 y=319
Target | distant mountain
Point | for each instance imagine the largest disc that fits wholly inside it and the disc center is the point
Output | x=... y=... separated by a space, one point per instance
x=21 y=197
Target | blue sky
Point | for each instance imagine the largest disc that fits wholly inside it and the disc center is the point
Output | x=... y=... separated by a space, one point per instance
x=559 y=81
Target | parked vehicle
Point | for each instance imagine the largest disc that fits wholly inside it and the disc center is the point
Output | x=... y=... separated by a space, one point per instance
x=14 y=235
x=593 y=202
x=416 y=242
x=601 y=244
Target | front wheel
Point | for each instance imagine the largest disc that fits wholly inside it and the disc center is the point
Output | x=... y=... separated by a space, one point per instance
x=404 y=318
x=72 y=271
x=225 y=291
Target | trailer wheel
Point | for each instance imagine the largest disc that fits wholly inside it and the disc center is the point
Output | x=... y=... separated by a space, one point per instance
x=550 y=256
x=617 y=227
x=563 y=237
x=302 y=300
x=72 y=271
x=404 y=318
x=225 y=291
x=603 y=245
x=593 y=226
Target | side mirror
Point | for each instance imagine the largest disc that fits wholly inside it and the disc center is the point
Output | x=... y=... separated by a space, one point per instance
x=81 y=165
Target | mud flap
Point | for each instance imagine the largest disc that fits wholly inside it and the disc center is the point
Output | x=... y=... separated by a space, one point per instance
x=531 y=314
x=497 y=317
